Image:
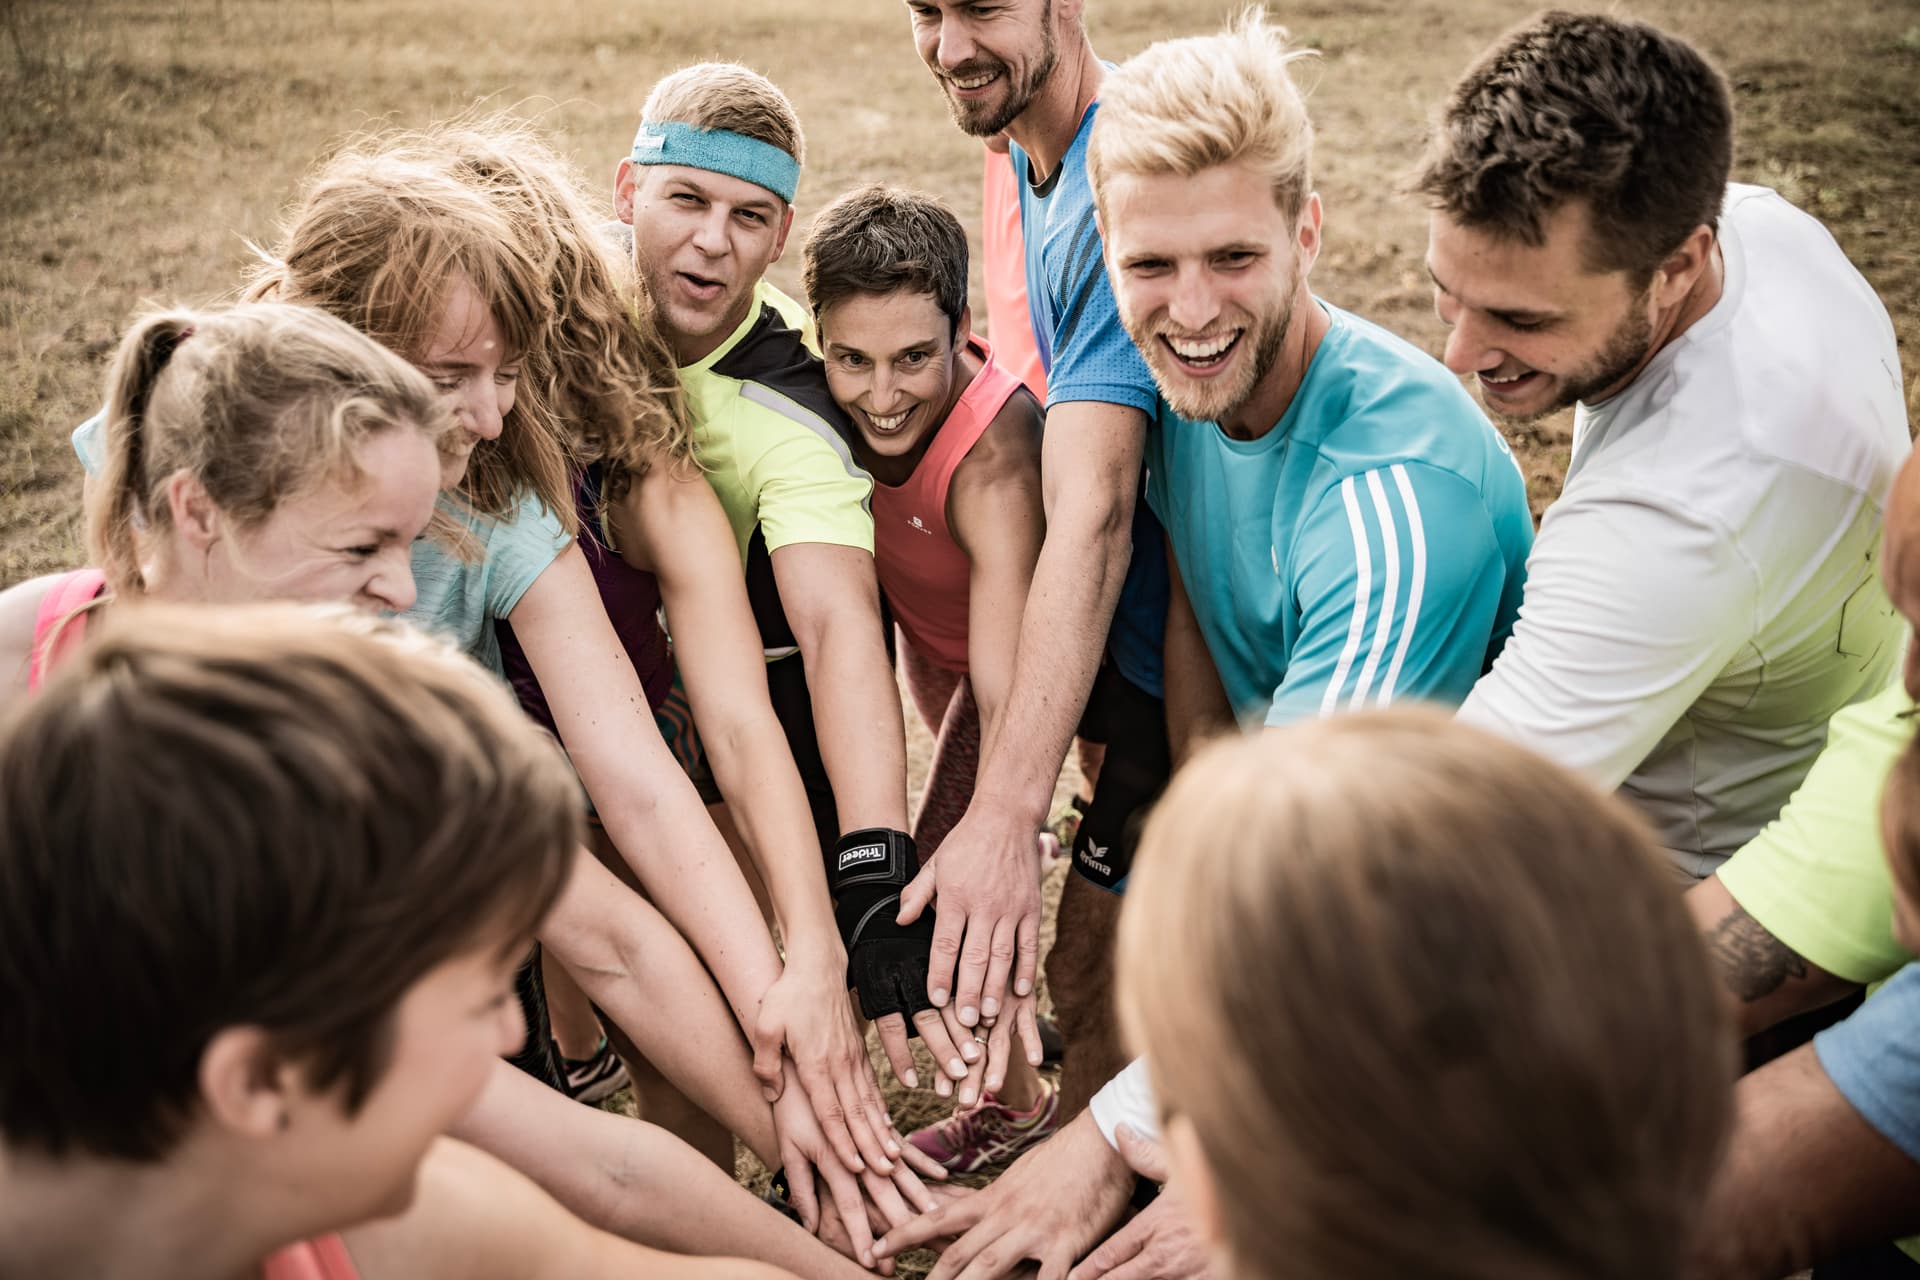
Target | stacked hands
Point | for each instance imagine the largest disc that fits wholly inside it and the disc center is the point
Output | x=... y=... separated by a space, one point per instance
x=962 y=979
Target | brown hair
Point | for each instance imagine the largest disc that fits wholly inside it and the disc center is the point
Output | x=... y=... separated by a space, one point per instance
x=1583 y=106
x=258 y=403
x=886 y=239
x=377 y=240
x=1430 y=1004
x=267 y=815
x=602 y=365
x=726 y=95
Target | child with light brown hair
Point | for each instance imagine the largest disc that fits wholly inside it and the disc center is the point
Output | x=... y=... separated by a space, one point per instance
x=1436 y=1011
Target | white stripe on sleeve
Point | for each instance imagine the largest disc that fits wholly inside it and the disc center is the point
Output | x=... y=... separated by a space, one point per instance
x=1389 y=589
x=1417 y=540
x=1363 y=577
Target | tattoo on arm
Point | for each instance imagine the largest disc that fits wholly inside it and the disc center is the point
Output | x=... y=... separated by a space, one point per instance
x=1751 y=962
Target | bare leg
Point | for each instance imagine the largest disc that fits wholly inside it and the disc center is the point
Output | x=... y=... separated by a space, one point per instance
x=576 y=1028
x=1079 y=975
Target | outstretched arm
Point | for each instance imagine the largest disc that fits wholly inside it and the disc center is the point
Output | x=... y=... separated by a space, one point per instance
x=989 y=899
x=1766 y=981
x=670 y=523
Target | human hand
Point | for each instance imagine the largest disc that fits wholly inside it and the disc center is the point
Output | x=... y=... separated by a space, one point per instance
x=987 y=935
x=1161 y=1240
x=1050 y=1206
x=862 y=1203
x=806 y=1011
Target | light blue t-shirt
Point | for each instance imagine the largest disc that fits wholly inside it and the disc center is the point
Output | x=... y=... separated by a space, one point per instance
x=1088 y=356
x=1873 y=1058
x=457 y=600
x=1371 y=547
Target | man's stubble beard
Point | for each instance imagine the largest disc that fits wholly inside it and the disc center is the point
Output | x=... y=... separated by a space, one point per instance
x=1017 y=101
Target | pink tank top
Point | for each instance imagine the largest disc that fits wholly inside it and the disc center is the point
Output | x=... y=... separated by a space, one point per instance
x=62 y=621
x=1003 y=269
x=322 y=1259
x=922 y=569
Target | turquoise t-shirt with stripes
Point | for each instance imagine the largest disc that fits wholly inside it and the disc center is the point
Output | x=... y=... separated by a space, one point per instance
x=1370 y=548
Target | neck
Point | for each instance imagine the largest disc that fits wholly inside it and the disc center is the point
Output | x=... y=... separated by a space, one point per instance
x=1677 y=319
x=166 y=1221
x=1273 y=395
x=1045 y=129
x=692 y=350
x=897 y=471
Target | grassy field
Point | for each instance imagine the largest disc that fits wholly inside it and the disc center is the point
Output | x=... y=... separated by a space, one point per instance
x=146 y=141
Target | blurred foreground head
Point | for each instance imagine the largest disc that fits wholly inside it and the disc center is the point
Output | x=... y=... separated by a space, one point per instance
x=236 y=847
x=1418 y=1003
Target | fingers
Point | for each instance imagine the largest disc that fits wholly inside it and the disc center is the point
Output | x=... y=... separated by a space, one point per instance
x=975 y=955
x=867 y=1119
x=1027 y=1024
x=925 y=1166
x=999 y=1050
x=800 y=1185
x=1122 y=1247
x=918 y=893
x=1026 y=963
x=852 y=1208
x=885 y=1198
x=943 y=955
x=834 y=1121
x=954 y=1218
x=1142 y=1154
x=999 y=968
x=946 y=1053
x=897 y=1045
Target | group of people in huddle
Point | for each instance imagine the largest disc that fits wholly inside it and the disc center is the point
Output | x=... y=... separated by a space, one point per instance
x=484 y=693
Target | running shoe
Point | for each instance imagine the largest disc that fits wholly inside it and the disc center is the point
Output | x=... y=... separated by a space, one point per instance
x=597 y=1078
x=990 y=1134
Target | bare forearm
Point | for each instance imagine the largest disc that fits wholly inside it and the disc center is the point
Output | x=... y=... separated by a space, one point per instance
x=644 y=976
x=856 y=711
x=1062 y=634
x=755 y=771
x=690 y=874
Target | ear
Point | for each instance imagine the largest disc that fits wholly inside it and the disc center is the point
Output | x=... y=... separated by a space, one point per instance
x=624 y=176
x=1674 y=279
x=963 y=327
x=247 y=1087
x=1307 y=233
x=1195 y=1180
x=780 y=241
x=193 y=512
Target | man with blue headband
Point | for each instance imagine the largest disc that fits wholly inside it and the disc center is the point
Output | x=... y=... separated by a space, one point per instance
x=708 y=194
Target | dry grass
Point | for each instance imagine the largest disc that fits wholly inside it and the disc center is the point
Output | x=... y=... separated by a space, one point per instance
x=145 y=142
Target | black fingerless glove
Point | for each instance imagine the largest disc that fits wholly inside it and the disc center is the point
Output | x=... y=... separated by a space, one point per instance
x=886 y=962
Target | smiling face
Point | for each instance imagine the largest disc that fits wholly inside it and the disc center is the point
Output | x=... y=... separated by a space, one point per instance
x=1536 y=327
x=1207 y=270
x=701 y=241
x=348 y=540
x=893 y=363
x=467 y=359
x=990 y=57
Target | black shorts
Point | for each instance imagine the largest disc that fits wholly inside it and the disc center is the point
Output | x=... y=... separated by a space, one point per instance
x=787 y=686
x=1132 y=724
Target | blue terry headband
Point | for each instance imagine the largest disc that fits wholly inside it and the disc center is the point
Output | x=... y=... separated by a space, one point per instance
x=718 y=151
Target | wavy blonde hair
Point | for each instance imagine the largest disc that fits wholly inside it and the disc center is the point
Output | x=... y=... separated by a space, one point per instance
x=602 y=363
x=377 y=239
x=258 y=403
x=1184 y=106
x=1430 y=1004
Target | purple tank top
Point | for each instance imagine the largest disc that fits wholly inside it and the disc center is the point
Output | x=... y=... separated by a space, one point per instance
x=632 y=599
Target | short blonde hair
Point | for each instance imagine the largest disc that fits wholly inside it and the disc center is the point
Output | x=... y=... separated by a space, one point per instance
x=258 y=403
x=1431 y=1005
x=1183 y=106
x=726 y=95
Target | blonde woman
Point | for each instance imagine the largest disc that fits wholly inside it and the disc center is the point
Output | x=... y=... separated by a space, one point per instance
x=1438 y=1011
x=430 y=268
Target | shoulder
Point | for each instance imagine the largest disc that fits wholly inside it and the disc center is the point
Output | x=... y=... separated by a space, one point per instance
x=19 y=619
x=1009 y=447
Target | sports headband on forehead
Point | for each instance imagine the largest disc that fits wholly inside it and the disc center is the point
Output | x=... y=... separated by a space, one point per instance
x=718 y=151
